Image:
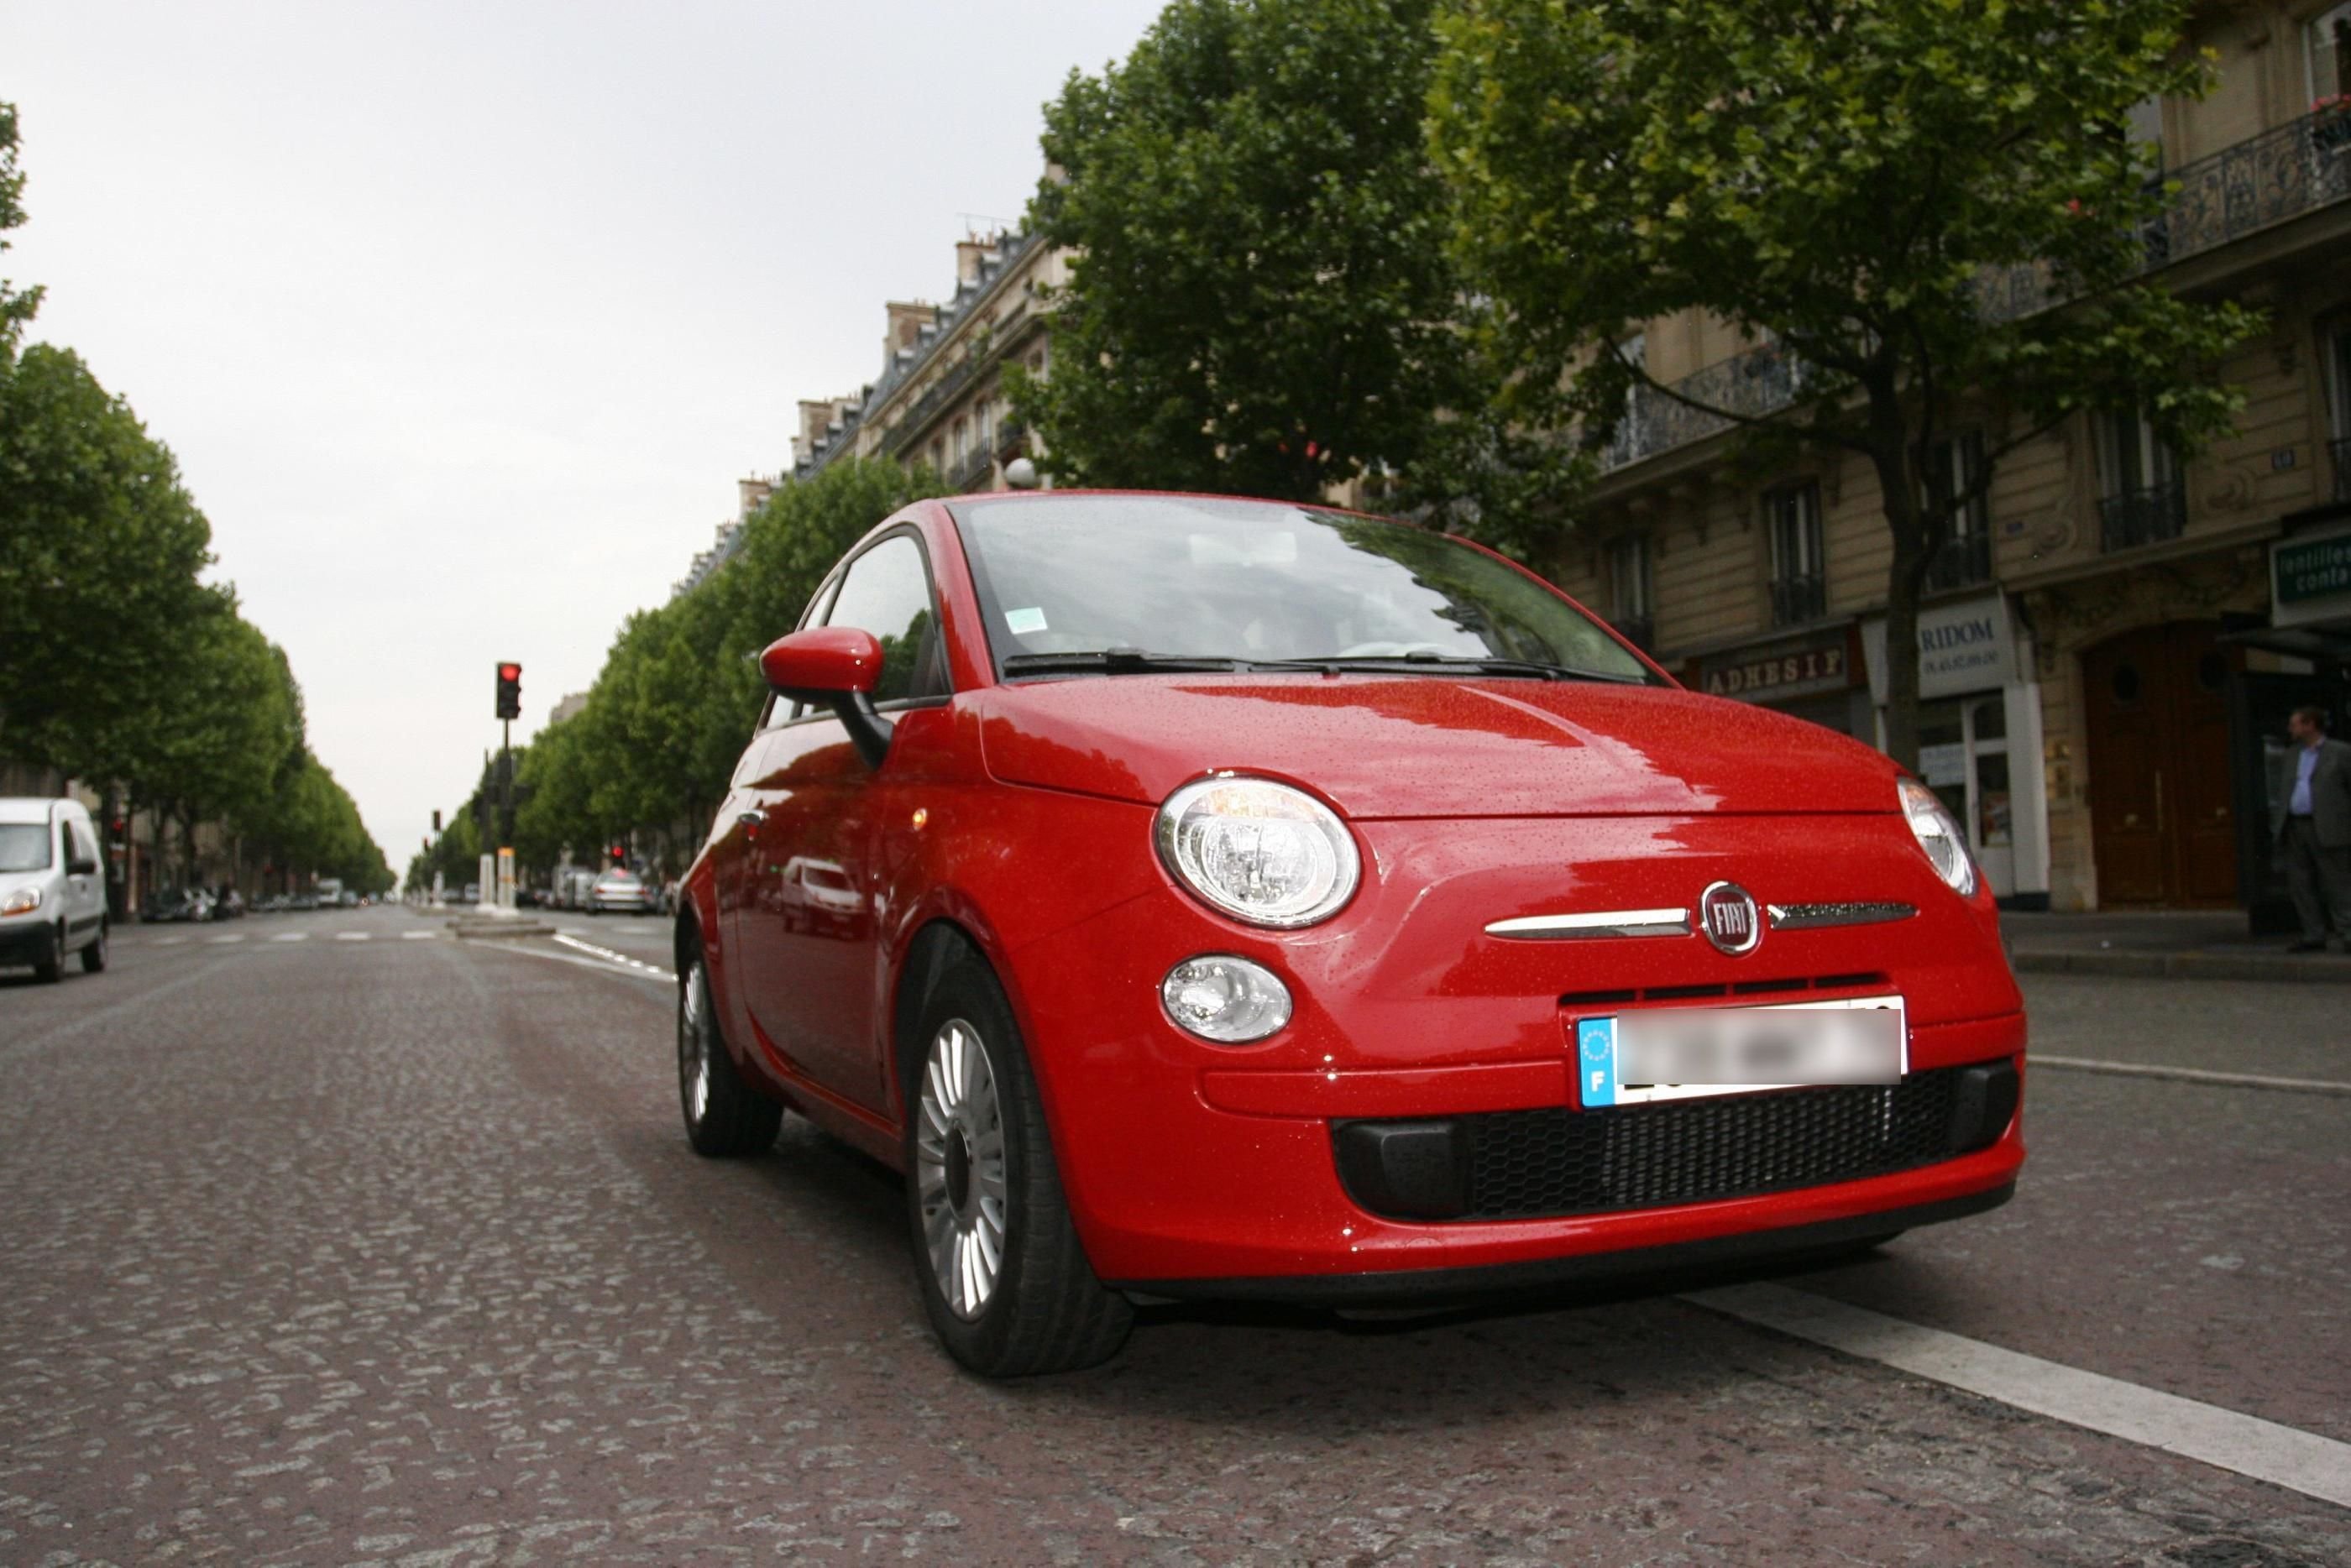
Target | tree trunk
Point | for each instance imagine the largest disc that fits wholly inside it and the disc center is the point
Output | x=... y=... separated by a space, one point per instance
x=1889 y=440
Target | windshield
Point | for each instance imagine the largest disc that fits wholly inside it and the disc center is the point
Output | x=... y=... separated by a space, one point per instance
x=1255 y=580
x=24 y=846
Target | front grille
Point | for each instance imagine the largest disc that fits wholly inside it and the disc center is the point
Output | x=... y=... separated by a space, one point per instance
x=1616 y=997
x=1525 y=1163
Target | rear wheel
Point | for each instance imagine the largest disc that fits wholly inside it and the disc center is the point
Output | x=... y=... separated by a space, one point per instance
x=724 y=1117
x=1004 y=1278
x=93 y=957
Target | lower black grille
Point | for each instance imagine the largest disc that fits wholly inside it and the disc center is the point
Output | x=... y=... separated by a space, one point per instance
x=1518 y=1165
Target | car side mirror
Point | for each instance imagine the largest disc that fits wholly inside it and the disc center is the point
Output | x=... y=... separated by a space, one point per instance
x=838 y=667
x=81 y=867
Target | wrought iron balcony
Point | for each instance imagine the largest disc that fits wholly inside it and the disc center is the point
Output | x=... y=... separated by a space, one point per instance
x=2147 y=516
x=1798 y=599
x=1961 y=563
x=2266 y=180
x=2341 y=450
x=979 y=465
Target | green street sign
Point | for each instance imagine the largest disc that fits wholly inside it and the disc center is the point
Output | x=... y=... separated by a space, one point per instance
x=2314 y=569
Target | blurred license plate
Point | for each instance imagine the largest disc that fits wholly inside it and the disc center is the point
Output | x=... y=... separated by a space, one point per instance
x=1683 y=1053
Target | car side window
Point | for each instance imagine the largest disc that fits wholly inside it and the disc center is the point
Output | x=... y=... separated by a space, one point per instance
x=78 y=847
x=887 y=591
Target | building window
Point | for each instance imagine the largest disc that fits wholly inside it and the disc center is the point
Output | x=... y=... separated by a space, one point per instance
x=1630 y=608
x=2330 y=55
x=1955 y=477
x=2142 y=498
x=1798 y=583
x=959 y=443
x=2335 y=368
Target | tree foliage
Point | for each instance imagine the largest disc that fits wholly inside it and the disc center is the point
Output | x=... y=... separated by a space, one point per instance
x=1859 y=185
x=1261 y=300
x=16 y=306
x=650 y=756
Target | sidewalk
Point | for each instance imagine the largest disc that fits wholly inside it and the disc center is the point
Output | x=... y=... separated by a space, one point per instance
x=2161 y=944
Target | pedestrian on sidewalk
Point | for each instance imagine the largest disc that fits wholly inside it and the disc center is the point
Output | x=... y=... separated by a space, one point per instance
x=2310 y=815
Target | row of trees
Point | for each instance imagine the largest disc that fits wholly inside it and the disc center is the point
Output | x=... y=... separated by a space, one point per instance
x=647 y=759
x=119 y=664
x=1414 y=242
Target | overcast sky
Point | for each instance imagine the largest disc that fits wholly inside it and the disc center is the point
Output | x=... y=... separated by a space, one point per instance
x=464 y=318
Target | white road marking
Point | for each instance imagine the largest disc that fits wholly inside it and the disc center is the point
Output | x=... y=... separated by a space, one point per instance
x=2246 y=1445
x=659 y=977
x=224 y=941
x=169 y=941
x=2189 y=1074
x=418 y=936
x=352 y=936
x=292 y=937
x=609 y=956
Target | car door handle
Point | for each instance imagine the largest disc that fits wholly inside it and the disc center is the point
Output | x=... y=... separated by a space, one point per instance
x=752 y=818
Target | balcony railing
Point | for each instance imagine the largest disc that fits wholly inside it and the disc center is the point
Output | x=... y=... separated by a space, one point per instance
x=2147 y=516
x=2266 y=180
x=1798 y=599
x=978 y=466
x=2341 y=450
x=1961 y=563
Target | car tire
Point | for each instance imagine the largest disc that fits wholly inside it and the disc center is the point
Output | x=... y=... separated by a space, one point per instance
x=51 y=969
x=980 y=1171
x=93 y=957
x=725 y=1118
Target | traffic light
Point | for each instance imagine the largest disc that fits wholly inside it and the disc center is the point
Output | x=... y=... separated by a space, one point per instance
x=437 y=823
x=509 y=691
x=619 y=854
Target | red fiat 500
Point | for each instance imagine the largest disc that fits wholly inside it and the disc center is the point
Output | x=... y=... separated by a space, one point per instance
x=1212 y=897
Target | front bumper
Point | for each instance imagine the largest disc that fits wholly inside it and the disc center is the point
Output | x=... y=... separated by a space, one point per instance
x=27 y=941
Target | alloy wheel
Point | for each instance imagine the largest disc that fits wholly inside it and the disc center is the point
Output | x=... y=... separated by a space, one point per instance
x=693 y=1047
x=959 y=1173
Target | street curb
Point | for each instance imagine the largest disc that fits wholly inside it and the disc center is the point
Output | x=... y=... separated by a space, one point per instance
x=2316 y=970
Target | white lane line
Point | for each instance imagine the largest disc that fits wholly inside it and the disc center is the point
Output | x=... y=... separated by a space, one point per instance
x=224 y=941
x=2189 y=1074
x=2247 y=1445
x=659 y=977
x=609 y=956
x=292 y=937
x=352 y=936
x=169 y=941
x=418 y=936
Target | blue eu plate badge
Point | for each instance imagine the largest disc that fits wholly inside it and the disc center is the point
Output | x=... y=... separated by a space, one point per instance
x=1595 y=1060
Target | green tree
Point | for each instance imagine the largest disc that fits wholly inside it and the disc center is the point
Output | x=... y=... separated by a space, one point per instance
x=1261 y=300
x=100 y=551
x=1857 y=184
x=16 y=306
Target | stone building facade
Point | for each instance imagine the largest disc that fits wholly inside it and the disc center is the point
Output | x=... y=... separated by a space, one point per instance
x=2109 y=650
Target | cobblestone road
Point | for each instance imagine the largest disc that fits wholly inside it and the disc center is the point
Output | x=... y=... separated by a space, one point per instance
x=390 y=1250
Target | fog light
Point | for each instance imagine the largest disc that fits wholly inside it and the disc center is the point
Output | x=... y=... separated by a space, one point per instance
x=1229 y=999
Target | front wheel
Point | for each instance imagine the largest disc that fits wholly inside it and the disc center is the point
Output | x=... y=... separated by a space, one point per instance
x=1004 y=1278
x=52 y=969
x=93 y=957
x=724 y=1117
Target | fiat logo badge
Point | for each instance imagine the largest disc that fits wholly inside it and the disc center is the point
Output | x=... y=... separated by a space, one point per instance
x=1728 y=914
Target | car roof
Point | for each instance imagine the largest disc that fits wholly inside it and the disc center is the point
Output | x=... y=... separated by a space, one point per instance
x=30 y=808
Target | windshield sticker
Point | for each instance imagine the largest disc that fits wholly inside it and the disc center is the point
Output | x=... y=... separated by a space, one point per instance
x=1022 y=622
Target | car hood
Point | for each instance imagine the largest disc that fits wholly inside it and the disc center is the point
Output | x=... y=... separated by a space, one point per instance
x=1426 y=746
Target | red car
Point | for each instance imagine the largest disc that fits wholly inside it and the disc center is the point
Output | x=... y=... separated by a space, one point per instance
x=1211 y=898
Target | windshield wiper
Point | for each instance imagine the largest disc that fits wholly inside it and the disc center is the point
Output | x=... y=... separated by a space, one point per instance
x=1444 y=663
x=1115 y=661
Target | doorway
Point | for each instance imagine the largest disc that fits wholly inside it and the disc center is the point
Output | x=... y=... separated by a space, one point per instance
x=2162 y=825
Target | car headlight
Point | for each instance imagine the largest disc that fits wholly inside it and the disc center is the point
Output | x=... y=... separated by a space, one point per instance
x=1258 y=851
x=1940 y=835
x=23 y=901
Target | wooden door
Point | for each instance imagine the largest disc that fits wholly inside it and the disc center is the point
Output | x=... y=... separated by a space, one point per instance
x=2161 y=819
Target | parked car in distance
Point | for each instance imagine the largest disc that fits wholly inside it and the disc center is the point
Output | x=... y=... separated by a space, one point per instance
x=52 y=886
x=619 y=892
x=303 y=901
x=470 y=894
x=1216 y=899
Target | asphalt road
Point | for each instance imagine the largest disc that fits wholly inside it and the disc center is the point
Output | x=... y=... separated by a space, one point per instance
x=377 y=1246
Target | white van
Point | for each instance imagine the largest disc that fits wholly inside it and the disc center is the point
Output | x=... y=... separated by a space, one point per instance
x=52 y=894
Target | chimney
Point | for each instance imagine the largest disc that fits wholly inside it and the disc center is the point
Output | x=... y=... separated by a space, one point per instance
x=969 y=254
x=907 y=319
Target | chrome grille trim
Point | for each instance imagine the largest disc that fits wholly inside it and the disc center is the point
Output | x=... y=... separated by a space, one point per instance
x=1814 y=917
x=1594 y=924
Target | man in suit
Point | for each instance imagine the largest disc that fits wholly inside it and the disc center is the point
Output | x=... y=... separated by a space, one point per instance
x=2311 y=815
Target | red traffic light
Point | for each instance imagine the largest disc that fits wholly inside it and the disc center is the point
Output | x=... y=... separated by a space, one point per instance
x=510 y=689
x=510 y=672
